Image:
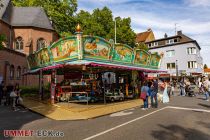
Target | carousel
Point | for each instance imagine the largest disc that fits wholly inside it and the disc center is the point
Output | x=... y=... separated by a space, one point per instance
x=93 y=66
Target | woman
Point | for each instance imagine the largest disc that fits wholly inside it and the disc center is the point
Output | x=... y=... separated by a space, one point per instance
x=17 y=91
x=165 y=94
x=145 y=89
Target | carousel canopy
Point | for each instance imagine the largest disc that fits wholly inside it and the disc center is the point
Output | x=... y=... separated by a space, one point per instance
x=94 y=51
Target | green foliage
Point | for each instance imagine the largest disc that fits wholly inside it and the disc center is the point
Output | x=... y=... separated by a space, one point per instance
x=2 y=39
x=101 y=23
x=205 y=66
x=142 y=46
x=63 y=15
x=60 y=12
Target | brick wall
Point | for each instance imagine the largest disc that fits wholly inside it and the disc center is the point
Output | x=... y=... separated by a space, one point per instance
x=33 y=34
x=17 y=59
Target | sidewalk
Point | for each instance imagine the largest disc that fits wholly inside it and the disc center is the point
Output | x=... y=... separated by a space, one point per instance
x=78 y=111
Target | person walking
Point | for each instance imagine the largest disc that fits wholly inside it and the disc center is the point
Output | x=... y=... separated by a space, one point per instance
x=206 y=85
x=154 y=100
x=182 y=88
x=1 y=91
x=145 y=90
x=172 y=88
x=9 y=89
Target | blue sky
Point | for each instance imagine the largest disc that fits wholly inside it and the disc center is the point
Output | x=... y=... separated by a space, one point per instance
x=191 y=16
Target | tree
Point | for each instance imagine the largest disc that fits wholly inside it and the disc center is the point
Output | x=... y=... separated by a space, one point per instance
x=2 y=39
x=101 y=23
x=60 y=12
x=142 y=46
x=205 y=66
x=124 y=33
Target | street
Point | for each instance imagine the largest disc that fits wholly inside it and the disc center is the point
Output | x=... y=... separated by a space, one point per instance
x=183 y=118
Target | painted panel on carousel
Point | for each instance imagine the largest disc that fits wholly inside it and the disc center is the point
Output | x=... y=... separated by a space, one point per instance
x=122 y=53
x=64 y=49
x=155 y=60
x=141 y=57
x=96 y=47
x=32 y=61
x=43 y=57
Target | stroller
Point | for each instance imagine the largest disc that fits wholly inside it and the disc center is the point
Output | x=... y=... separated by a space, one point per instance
x=190 y=90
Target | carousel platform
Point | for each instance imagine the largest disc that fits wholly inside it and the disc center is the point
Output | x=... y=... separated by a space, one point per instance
x=75 y=111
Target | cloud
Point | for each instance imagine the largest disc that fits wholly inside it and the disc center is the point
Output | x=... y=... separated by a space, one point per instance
x=198 y=3
x=191 y=16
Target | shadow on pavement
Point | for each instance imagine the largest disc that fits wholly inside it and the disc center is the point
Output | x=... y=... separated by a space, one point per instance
x=176 y=132
x=204 y=105
x=201 y=98
x=15 y=120
x=206 y=125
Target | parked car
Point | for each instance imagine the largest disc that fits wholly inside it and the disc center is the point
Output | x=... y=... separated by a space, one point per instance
x=83 y=98
x=114 y=96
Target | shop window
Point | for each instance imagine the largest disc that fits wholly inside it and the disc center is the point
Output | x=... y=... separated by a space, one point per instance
x=12 y=72
x=19 y=43
x=18 y=72
x=41 y=43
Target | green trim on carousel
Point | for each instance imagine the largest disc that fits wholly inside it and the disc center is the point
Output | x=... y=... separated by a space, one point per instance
x=93 y=48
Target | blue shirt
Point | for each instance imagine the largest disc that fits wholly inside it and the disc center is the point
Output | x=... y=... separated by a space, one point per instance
x=145 y=89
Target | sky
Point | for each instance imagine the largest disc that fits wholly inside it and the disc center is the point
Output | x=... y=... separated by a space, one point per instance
x=190 y=16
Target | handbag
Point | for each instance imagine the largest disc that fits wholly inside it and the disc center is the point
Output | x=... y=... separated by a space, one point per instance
x=13 y=94
x=143 y=95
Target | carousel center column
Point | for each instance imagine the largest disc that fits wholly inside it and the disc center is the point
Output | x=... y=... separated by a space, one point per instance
x=79 y=42
x=53 y=85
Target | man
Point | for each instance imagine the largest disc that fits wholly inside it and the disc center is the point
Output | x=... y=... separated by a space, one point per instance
x=182 y=88
x=1 y=91
x=154 y=94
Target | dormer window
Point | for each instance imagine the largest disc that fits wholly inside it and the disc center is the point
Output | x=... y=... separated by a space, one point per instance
x=170 y=41
x=155 y=43
x=175 y=40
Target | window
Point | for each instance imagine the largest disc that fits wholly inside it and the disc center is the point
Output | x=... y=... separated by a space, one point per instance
x=171 y=66
x=41 y=43
x=18 y=72
x=170 y=41
x=12 y=72
x=191 y=50
x=155 y=43
x=170 y=53
x=192 y=64
x=19 y=43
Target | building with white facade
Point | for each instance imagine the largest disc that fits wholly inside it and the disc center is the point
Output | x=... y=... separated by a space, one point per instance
x=181 y=54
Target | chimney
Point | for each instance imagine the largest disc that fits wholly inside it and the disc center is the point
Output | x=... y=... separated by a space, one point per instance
x=179 y=32
x=165 y=35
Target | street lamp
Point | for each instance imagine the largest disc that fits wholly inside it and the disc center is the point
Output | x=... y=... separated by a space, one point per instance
x=177 y=74
x=115 y=31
